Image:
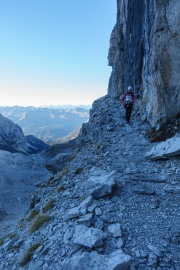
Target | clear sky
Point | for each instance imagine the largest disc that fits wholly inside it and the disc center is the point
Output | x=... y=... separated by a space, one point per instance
x=54 y=51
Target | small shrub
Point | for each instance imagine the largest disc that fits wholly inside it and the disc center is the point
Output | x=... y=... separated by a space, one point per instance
x=2 y=241
x=38 y=222
x=38 y=185
x=22 y=225
x=82 y=199
x=11 y=236
x=79 y=170
x=60 y=188
x=48 y=206
x=33 y=214
x=16 y=246
x=99 y=146
x=71 y=158
x=50 y=181
x=29 y=254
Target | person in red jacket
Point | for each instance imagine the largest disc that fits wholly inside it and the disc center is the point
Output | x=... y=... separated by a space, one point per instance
x=128 y=100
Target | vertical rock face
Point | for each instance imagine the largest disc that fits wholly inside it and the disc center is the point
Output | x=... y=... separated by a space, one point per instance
x=144 y=51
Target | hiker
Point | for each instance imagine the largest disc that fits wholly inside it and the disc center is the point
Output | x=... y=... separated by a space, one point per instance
x=128 y=100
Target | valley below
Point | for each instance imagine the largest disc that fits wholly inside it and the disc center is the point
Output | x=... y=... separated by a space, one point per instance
x=51 y=125
x=19 y=174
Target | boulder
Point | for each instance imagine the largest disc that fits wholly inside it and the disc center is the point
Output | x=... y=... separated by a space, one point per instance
x=86 y=220
x=100 y=184
x=73 y=212
x=88 y=237
x=166 y=149
x=81 y=209
x=115 y=230
x=85 y=204
x=117 y=260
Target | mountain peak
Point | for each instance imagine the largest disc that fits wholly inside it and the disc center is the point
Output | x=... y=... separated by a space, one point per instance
x=13 y=140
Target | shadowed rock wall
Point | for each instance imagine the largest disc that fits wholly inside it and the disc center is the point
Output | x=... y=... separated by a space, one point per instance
x=145 y=51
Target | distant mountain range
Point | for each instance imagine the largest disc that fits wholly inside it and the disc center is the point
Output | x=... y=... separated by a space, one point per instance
x=13 y=140
x=68 y=107
x=51 y=125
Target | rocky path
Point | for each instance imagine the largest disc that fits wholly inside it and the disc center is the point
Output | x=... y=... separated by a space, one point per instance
x=148 y=192
x=112 y=208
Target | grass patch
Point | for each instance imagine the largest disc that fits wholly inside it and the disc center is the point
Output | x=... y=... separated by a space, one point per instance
x=11 y=236
x=29 y=254
x=50 y=181
x=2 y=241
x=22 y=224
x=49 y=205
x=60 y=188
x=38 y=222
x=63 y=172
x=71 y=158
x=32 y=214
x=79 y=170
x=82 y=199
x=99 y=146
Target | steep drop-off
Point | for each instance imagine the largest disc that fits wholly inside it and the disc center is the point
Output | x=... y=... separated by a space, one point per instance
x=145 y=52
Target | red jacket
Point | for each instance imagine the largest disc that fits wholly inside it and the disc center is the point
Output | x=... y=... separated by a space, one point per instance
x=131 y=100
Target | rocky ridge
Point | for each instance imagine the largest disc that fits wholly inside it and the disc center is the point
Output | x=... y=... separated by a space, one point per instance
x=13 y=140
x=110 y=207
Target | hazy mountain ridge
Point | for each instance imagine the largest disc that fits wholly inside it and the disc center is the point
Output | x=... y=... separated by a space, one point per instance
x=13 y=140
x=47 y=124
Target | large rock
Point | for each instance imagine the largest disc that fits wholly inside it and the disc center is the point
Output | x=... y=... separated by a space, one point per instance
x=88 y=237
x=94 y=261
x=81 y=209
x=100 y=183
x=115 y=230
x=166 y=149
x=73 y=213
x=86 y=220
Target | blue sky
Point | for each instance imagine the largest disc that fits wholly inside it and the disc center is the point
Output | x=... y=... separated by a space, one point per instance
x=54 y=51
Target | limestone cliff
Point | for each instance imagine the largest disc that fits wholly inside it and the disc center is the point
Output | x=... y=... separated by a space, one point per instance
x=144 y=51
